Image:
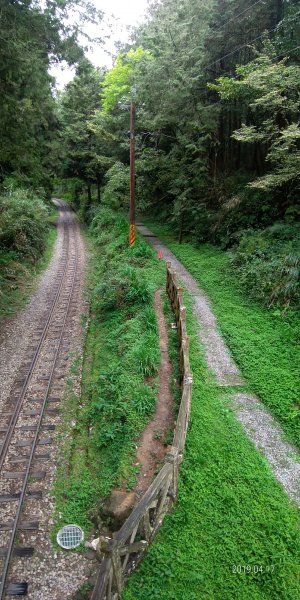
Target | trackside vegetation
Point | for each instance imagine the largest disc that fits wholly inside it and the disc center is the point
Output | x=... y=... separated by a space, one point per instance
x=233 y=533
x=121 y=362
x=264 y=341
x=26 y=242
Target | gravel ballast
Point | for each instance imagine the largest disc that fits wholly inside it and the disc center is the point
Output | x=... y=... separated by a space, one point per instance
x=51 y=573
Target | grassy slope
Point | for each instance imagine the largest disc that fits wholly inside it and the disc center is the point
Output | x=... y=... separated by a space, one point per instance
x=20 y=278
x=230 y=509
x=264 y=343
x=230 y=512
x=121 y=353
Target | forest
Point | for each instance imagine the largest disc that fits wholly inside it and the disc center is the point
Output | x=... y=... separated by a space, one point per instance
x=216 y=90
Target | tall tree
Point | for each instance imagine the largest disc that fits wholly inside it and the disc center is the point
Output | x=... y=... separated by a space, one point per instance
x=32 y=35
x=77 y=105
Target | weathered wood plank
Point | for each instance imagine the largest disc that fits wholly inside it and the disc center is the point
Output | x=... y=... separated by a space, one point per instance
x=109 y=585
x=99 y=590
x=147 y=526
x=134 y=548
x=131 y=542
x=118 y=571
x=139 y=511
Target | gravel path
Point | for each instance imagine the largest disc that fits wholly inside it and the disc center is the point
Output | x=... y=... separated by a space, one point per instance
x=258 y=424
x=51 y=574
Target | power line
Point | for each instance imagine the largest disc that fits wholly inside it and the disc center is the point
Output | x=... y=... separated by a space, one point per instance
x=240 y=47
x=247 y=44
x=239 y=14
x=291 y=50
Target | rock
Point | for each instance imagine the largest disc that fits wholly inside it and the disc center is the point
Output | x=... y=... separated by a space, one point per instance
x=93 y=544
x=118 y=507
x=89 y=553
x=92 y=579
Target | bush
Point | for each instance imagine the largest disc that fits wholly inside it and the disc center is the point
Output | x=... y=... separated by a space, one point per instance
x=145 y=355
x=142 y=250
x=268 y=263
x=120 y=288
x=116 y=190
x=23 y=223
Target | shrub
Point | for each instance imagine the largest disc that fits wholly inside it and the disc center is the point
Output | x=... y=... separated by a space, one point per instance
x=23 y=223
x=102 y=219
x=146 y=356
x=123 y=287
x=150 y=318
x=268 y=263
x=116 y=190
x=141 y=250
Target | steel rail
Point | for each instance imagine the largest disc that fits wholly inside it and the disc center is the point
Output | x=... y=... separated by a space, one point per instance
x=14 y=528
x=17 y=409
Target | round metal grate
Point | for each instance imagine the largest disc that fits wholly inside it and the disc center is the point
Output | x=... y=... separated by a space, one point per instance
x=70 y=537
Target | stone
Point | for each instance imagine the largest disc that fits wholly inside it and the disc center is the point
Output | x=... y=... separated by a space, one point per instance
x=118 y=507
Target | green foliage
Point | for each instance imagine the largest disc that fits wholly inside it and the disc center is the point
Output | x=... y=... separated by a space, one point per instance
x=116 y=190
x=78 y=151
x=25 y=243
x=150 y=318
x=34 y=33
x=23 y=223
x=230 y=511
x=248 y=208
x=268 y=264
x=145 y=355
x=78 y=495
x=125 y=286
x=264 y=342
x=271 y=90
x=120 y=79
x=120 y=368
x=71 y=190
x=194 y=152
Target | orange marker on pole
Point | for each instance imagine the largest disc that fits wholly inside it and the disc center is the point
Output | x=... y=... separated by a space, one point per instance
x=131 y=234
x=132 y=177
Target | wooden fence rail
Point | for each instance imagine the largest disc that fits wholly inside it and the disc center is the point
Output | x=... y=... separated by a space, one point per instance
x=121 y=554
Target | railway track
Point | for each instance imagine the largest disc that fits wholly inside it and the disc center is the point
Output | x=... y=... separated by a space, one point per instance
x=31 y=413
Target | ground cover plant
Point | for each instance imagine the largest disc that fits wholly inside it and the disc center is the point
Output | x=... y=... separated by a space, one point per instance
x=120 y=372
x=268 y=264
x=264 y=341
x=27 y=236
x=233 y=533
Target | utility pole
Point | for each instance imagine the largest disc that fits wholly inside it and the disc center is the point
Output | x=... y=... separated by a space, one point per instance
x=132 y=176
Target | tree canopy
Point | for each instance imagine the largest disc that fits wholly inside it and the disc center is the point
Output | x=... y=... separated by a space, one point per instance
x=32 y=36
x=216 y=88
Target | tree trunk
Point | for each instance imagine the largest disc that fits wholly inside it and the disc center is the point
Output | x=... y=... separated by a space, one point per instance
x=279 y=11
x=98 y=191
x=181 y=229
x=89 y=195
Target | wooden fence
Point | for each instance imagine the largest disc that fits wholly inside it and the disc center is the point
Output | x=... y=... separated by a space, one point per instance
x=120 y=555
